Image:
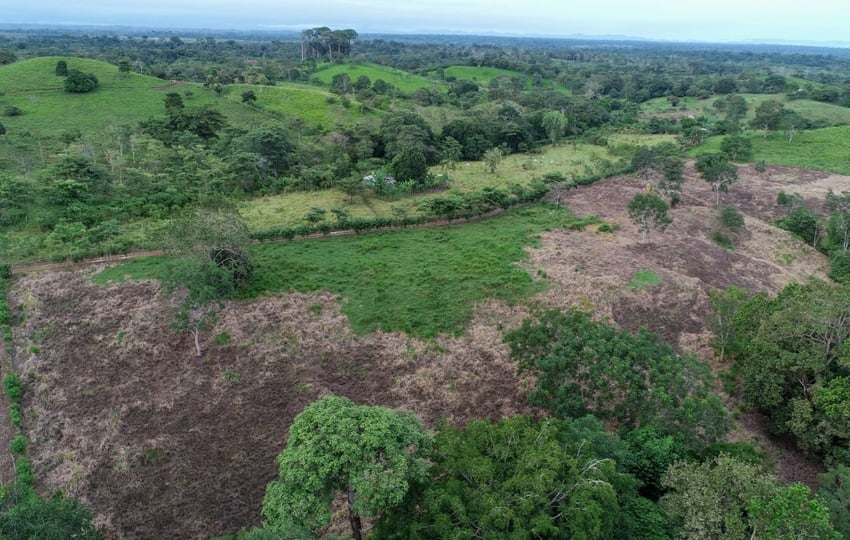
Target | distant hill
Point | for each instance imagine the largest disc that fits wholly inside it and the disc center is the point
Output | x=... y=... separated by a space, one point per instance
x=34 y=88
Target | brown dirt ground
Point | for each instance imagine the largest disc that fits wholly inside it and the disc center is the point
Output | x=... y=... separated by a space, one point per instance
x=163 y=444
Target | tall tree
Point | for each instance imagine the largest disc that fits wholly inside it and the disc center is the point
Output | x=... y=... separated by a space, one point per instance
x=210 y=261
x=370 y=454
x=717 y=171
x=555 y=123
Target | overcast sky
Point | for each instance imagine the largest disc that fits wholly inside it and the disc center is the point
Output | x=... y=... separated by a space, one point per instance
x=707 y=20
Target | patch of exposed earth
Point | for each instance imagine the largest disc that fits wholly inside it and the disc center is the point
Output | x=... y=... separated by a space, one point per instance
x=163 y=444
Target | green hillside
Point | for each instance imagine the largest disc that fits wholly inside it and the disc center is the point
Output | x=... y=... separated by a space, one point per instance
x=813 y=110
x=485 y=74
x=311 y=104
x=826 y=149
x=406 y=82
x=129 y=98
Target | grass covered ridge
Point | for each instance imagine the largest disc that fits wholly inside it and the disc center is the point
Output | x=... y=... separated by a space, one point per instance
x=422 y=282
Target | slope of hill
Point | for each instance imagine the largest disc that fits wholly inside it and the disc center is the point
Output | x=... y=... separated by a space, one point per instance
x=47 y=110
x=404 y=81
x=690 y=106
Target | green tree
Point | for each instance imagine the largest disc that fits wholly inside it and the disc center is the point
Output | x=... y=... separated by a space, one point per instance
x=733 y=107
x=717 y=171
x=727 y=498
x=730 y=225
x=124 y=67
x=724 y=304
x=2 y=129
x=7 y=57
x=795 y=362
x=583 y=366
x=769 y=116
x=370 y=454
x=649 y=212
x=839 y=222
x=409 y=164
x=26 y=516
x=78 y=82
x=492 y=158
x=249 y=96
x=555 y=123
x=517 y=478
x=737 y=147
x=61 y=68
x=662 y=165
x=834 y=493
x=210 y=261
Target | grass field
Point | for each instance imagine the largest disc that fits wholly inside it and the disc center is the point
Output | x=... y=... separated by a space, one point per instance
x=825 y=149
x=406 y=82
x=567 y=159
x=130 y=98
x=422 y=282
x=813 y=110
x=313 y=105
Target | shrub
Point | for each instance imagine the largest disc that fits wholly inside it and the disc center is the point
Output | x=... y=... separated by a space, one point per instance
x=11 y=110
x=18 y=445
x=839 y=265
x=12 y=385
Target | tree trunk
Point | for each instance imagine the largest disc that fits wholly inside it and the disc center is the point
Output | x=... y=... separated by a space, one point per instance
x=353 y=518
x=196 y=332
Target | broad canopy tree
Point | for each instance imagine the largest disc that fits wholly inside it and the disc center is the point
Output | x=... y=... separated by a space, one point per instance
x=649 y=212
x=370 y=454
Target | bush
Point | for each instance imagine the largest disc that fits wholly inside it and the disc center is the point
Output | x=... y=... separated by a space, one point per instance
x=18 y=445
x=11 y=110
x=839 y=265
x=12 y=385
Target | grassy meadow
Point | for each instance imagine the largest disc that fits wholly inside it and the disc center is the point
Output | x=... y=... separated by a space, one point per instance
x=406 y=82
x=313 y=105
x=129 y=98
x=824 y=149
x=420 y=281
x=691 y=106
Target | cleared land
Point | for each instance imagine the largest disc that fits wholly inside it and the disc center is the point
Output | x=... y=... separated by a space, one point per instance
x=161 y=443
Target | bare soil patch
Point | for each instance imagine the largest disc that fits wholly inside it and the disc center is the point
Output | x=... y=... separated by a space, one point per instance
x=166 y=445
x=163 y=444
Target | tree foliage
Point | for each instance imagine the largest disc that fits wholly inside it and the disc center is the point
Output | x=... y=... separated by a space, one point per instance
x=518 y=478
x=795 y=361
x=727 y=498
x=583 y=366
x=717 y=171
x=649 y=212
x=78 y=82
x=210 y=262
x=371 y=454
x=26 y=516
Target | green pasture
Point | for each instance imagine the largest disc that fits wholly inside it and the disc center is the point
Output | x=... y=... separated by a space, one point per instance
x=406 y=82
x=129 y=98
x=813 y=110
x=826 y=149
x=313 y=105
x=419 y=281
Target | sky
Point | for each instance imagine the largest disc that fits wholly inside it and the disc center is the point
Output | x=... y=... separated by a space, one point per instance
x=680 y=20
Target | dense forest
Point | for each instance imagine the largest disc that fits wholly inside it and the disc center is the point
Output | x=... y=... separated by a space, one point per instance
x=226 y=153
